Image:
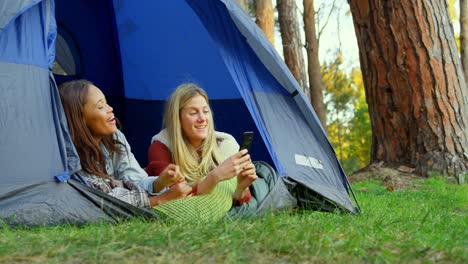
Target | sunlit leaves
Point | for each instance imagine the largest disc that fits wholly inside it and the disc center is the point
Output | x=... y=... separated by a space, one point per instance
x=348 y=122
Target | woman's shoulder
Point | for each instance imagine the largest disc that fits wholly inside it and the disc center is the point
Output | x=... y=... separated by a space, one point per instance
x=157 y=147
x=118 y=135
x=227 y=143
x=223 y=136
x=162 y=137
x=122 y=145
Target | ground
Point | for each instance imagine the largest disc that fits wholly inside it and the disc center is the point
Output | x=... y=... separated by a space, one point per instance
x=392 y=178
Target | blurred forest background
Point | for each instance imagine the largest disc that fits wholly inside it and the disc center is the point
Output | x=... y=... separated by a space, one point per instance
x=318 y=42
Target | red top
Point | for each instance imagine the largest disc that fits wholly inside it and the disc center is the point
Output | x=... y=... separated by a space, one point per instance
x=159 y=157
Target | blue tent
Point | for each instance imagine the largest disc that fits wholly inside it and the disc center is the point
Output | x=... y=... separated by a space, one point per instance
x=137 y=52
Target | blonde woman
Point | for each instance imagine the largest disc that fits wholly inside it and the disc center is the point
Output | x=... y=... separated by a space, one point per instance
x=210 y=161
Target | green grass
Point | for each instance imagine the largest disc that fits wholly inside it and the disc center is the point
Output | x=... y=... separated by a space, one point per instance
x=423 y=225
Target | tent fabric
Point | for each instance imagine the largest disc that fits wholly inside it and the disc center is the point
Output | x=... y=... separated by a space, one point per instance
x=10 y=9
x=33 y=27
x=47 y=203
x=88 y=29
x=65 y=56
x=263 y=95
x=158 y=45
x=28 y=139
x=269 y=193
x=114 y=208
x=26 y=111
x=35 y=145
x=260 y=76
x=137 y=52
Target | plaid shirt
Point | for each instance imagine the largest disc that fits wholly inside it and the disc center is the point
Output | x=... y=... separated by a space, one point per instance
x=120 y=189
x=128 y=181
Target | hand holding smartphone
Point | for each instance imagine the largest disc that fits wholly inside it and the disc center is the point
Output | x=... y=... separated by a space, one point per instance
x=246 y=142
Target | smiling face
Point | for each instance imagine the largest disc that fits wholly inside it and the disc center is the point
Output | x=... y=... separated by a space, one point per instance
x=98 y=115
x=194 y=119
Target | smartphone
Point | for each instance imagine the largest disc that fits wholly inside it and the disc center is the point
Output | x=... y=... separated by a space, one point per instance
x=246 y=142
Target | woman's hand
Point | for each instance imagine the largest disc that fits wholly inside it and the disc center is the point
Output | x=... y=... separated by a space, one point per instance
x=244 y=180
x=176 y=191
x=229 y=169
x=169 y=176
x=247 y=176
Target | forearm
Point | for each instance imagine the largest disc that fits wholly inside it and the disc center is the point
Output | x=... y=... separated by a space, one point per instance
x=159 y=199
x=207 y=185
x=158 y=185
x=150 y=184
x=239 y=193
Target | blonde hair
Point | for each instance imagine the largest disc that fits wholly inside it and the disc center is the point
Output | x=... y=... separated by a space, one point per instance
x=194 y=163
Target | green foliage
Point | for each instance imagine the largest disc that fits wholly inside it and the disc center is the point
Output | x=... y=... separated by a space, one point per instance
x=348 y=123
x=423 y=225
x=341 y=94
x=360 y=130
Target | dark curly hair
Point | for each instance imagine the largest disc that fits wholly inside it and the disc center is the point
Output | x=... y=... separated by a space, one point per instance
x=73 y=95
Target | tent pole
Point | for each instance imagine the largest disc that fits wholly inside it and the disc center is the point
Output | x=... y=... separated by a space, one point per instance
x=354 y=196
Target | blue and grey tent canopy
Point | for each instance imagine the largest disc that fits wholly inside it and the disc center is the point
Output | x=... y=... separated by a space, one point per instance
x=137 y=52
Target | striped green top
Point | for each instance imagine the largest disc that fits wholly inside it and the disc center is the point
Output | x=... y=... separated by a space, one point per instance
x=201 y=208
x=208 y=207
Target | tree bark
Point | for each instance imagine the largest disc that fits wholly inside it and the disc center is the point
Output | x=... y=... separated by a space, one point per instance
x=414 y=85
x=292 y=48
x=265 y=18
x=464 y=37
x=315 y=78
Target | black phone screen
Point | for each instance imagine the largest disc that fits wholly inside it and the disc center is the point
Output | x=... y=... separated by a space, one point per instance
x=246 y=142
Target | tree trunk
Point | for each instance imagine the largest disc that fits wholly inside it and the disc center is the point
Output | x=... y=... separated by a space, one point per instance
x=292 y=48
x=244 y=4
x=315 y=78
x=414 y=85
x=265 y=18
x=464 y=37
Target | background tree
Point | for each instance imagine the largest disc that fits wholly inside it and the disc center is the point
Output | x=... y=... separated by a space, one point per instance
x=265 y=15
x=414 y=86
x=464 y=37
x=347 y=115
x=312 y=47
x=292 y=47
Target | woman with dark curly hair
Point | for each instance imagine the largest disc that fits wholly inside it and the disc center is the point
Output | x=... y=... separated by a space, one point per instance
x=107 y=163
